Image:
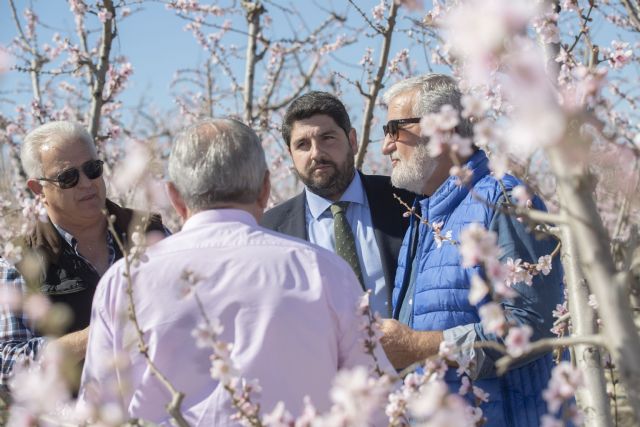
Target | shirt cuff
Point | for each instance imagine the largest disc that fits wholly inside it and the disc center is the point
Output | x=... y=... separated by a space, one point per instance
x=463 y=338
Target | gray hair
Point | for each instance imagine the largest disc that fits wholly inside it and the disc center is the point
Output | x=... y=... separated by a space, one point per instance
x=217 y=161
x=49 y=133
x=431 y=92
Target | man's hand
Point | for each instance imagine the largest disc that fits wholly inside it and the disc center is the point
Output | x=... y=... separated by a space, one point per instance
x=75 y=344
x=405 y=346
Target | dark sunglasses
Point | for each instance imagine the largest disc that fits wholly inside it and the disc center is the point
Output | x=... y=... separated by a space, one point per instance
x=392 y=126
x=69 y=178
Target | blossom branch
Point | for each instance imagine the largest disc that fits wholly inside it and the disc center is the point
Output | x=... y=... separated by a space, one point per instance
x=545 y=345
x=173 y=407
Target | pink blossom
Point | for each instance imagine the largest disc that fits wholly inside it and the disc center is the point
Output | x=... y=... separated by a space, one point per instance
x=544 y=264
x=547 y=28
x=411 y=4
x=205 y=333
x=550 y=421
x=620 y=54
x=357 y=396
x=465 y=386
x=446 y=350
x=104 y=15
x=399 y=58
x=448 y=118
x=565 y=380
x=473 y=106
x=593 y=303
x=568 y=5
x=462 y=174
x=517 y=273
x=484 y=132
x=478 y=290
x=479 y=28
x=477 y=244
x=492 y=318
x=517 y=340
x=460 y=145
x=12 y=253
x=378 y=11
x=278 y=417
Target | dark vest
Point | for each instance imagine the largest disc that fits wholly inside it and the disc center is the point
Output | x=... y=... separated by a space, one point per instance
x=67 y=278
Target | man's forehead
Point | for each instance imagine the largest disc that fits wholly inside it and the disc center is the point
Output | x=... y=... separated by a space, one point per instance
x=65 y=151
x=318 y=123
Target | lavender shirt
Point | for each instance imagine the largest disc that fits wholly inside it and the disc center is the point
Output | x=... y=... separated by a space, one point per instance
x=289 y=309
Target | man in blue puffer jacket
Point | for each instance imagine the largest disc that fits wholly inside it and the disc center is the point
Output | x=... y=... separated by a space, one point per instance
x=431 y=293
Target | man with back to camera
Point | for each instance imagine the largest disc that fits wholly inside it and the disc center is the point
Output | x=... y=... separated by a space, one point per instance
x=368 y=226
x=431 y=293
x=73 y=247
x=288 y=308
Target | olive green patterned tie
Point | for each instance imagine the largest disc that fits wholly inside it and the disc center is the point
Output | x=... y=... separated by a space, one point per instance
x=345 y=242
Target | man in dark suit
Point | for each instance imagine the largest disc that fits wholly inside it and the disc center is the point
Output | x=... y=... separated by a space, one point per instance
x=340 y=209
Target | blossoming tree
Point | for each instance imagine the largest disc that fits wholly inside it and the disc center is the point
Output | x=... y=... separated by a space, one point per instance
x=551 y=98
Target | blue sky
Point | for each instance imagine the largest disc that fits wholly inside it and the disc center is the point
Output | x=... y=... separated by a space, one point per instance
x=156 y=44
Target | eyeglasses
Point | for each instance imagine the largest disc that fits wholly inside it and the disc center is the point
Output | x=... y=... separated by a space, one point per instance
x=392 y=126
x=69 y=178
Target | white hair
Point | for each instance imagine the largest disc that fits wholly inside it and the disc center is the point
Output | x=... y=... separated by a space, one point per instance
x=49 y=133
x=431 y=92
x=217 y=161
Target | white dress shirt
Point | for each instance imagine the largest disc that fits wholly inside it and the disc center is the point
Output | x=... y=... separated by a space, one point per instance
x=288 y=308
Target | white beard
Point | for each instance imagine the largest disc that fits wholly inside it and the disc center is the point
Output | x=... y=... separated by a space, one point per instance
x=412 y=174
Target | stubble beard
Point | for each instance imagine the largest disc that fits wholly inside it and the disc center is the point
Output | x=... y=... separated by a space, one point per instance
x=412 y=174
x=334 y=184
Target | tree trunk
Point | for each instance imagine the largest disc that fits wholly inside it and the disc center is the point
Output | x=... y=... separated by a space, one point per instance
x=592 y=398
x=596 y=261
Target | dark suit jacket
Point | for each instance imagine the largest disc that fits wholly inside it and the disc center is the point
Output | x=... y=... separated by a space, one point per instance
x=386 y=214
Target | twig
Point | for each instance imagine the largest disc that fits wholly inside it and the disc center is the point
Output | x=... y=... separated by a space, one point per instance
x=547 y=344
x=173 y=407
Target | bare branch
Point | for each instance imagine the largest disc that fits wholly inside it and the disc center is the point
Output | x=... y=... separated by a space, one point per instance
x=376 y=85
x=633 y=13
x=253 y=11
x=108 y=33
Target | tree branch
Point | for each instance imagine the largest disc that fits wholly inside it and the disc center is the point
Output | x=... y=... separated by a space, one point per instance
x=97 y=89
x=375 y=86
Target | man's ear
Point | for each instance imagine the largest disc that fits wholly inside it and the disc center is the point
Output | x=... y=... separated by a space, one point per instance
x=35 y=186
x=265 y=191
x=353 y=140
x=177 y=201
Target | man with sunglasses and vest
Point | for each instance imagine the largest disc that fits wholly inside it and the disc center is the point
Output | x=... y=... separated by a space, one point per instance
x=340 y=208
x=431 y=296
x=64 y=257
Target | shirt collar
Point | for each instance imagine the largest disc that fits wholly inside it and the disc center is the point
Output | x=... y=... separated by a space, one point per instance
x=353 y=194
x=68 y=237
x=219 y=215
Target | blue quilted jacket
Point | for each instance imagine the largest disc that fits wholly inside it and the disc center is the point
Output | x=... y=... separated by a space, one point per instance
x=439 y=300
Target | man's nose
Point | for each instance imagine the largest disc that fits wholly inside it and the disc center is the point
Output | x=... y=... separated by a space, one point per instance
x=316 y=150
x=388 y=145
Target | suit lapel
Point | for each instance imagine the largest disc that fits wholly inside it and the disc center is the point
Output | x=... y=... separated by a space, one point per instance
x=295 y=221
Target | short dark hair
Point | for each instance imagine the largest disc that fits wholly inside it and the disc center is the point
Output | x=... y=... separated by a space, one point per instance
x=309 y=105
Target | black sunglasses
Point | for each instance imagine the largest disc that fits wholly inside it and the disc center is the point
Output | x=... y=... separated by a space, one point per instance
x=392 y=126
x=69 y=178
